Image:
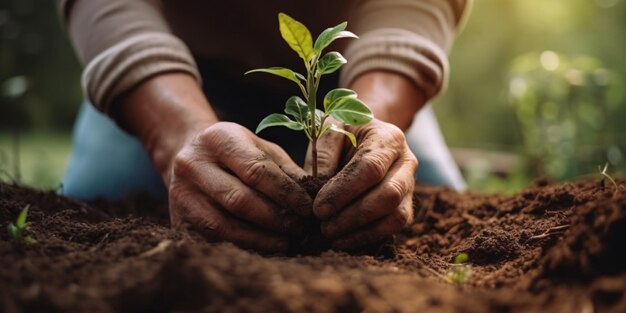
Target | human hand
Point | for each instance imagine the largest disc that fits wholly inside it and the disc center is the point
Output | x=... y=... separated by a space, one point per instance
x=233 y=186
x=370 y=199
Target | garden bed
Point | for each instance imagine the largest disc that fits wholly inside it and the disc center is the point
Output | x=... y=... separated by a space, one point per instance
x=549 y=248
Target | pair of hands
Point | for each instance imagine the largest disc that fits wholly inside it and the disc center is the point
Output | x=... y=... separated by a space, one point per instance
x=234 y=186
x=237 y=187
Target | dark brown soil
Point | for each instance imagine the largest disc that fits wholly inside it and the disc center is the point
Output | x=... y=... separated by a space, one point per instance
x=312 y=242
x=549 y=248
x=312 y=184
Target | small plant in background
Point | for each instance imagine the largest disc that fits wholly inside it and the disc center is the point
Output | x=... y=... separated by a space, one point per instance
x=606 y=175
x=340 y=103
x=18 y=230
x=460 y=271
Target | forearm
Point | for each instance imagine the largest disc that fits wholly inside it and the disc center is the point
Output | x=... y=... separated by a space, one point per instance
x=122 y=43
x=164 y=112
x=392 y=97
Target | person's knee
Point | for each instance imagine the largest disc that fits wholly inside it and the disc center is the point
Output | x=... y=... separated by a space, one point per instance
x=106 y=162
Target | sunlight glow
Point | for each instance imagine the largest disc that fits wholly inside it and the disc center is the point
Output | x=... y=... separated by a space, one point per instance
x=549 y=60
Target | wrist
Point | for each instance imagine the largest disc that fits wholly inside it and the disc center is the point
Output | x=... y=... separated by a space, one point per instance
x=165 y=112
x=393 y=98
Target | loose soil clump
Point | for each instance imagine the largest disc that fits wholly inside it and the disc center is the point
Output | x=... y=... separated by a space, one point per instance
x=549 y=248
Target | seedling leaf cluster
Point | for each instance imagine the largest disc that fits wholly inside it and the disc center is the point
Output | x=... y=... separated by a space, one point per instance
x=18 y=230
x=460 y=272
x=302 y=114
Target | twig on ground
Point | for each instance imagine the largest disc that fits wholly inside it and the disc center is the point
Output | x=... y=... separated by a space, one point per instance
x=157 y=249
x=441 y=276
x=100 y=243
x=473 y=220
x=551 y=231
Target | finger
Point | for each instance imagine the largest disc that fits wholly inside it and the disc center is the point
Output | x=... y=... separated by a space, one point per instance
x=209 y=220
x=379 y=202
x=256 y=168
x=329 y=149
x=366 y=169
x=176 y=190
x=283 y=160
x=240 y=200
x=379 y=230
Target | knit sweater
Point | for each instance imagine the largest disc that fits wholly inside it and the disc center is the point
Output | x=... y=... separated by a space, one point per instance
x=123 y=42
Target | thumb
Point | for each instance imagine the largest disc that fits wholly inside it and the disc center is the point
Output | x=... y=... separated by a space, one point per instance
x=329 y=148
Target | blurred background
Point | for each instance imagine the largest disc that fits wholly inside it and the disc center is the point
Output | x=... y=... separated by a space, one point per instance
x=537 y=89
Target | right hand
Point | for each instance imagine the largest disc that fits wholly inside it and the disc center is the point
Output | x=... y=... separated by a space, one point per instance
x=234 y=186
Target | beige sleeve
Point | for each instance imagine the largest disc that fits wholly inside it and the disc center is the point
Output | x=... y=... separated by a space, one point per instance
x=410 y=37
x=122 y=43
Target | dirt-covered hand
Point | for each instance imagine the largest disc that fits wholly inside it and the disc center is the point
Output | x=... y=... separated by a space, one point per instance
x=370 y=198
x=233 y=186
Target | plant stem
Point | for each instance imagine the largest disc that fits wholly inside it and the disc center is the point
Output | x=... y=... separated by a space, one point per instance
x=311 y=87
x=314 y=155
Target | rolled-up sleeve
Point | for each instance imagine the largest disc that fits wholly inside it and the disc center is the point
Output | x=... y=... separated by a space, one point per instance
x=410 y=37
x=122 y=43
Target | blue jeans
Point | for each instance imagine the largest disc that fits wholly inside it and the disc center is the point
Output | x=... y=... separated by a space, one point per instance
x=108 y=163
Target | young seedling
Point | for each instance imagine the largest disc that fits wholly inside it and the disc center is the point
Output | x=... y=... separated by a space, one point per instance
x=18 y=230
x=340 y=103
x=460 y=272
x=605 y=174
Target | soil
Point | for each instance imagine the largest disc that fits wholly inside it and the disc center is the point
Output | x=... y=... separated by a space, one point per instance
x=549 y=248
x=312 y=241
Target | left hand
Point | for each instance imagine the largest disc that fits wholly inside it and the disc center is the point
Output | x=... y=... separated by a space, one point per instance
x=370 y=198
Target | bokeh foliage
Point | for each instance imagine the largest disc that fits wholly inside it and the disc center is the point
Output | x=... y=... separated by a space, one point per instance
x=33 y=46
x=569 y=113
x=501 y=45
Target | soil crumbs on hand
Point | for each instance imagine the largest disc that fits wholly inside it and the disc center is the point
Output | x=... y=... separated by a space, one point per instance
x=549 y=248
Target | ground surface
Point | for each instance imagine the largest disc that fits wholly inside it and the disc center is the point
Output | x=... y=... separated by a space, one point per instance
x=549 y=248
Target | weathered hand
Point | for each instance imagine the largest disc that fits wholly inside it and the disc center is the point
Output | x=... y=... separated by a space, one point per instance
x=370 y=199
x=233 y=186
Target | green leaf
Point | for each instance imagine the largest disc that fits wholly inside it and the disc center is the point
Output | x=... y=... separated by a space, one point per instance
x=21 y=219
x=461 y=258
x=279 y=71
x=297 y=108
x=331 y=62
x=331 y=34
x=29 y=240
x=319 y=115
x=336 y=94
x=297 y=36
x=300 y=76
x=276 y=119
x=14 y=232
x=348 y=134
x=351 y=111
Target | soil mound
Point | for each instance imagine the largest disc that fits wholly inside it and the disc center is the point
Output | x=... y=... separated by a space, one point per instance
x=549 y=248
